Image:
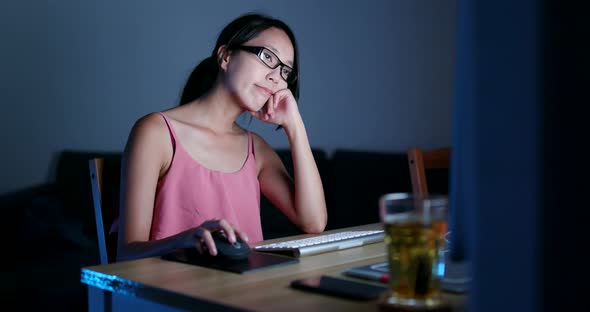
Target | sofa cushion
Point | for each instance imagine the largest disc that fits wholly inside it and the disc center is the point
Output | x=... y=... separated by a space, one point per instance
x=358 y=179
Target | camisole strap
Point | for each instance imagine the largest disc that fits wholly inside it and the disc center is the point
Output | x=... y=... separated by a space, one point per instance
x=250 y=143
x=171 y=131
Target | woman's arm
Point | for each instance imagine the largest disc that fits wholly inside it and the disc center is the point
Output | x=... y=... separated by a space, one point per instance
x=301 y=199
x=145 y=159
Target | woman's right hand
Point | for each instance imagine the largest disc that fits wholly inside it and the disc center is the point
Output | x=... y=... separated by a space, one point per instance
x=201 y=237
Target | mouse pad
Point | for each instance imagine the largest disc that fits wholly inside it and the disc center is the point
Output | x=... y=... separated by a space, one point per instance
x=255 y=261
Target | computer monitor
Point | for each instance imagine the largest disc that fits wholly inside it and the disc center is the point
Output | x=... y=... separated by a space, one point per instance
x=461 y=183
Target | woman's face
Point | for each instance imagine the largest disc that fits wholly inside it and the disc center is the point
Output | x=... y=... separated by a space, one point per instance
x=248 y=78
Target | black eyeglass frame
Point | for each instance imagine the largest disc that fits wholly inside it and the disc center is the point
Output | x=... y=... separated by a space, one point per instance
x=258 y=52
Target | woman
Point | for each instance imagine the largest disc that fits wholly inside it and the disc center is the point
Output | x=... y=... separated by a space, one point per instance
x=191 y=171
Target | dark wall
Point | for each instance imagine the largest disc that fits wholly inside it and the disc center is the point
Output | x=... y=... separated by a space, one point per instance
x=76 y=75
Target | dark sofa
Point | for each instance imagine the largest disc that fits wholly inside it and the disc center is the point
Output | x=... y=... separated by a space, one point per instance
x=57 y=221
x=353 y=182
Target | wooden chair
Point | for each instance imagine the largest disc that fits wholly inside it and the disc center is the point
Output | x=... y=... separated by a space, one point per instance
x=105 y=181
x=419 y=161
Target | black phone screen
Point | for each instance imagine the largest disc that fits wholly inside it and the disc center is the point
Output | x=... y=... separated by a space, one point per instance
x=340 y=287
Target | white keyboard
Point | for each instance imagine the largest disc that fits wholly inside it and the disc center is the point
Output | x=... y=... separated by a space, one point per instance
x=323 y=243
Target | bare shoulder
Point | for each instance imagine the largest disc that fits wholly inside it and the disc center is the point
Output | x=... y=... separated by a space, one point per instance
x=150 y=135
x=150 y=124
x=149 y=128
x=261 y=147
x=265 y=155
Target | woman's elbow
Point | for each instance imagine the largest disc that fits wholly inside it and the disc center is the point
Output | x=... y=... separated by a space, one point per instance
x=316 y=226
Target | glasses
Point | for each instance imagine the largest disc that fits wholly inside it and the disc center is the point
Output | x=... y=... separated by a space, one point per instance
x=272 y=61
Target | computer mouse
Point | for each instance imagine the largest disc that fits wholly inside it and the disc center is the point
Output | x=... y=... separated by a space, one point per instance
x=226 y=250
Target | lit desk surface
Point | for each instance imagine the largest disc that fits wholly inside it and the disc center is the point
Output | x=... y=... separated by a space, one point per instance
x=153 y=283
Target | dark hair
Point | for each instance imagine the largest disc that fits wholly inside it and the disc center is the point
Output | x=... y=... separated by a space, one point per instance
x=237 y=32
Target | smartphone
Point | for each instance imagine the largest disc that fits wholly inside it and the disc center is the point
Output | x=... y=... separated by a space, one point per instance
x=340 y=287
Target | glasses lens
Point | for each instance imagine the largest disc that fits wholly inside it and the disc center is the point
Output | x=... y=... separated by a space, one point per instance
x=288 y=74
x=269 y=58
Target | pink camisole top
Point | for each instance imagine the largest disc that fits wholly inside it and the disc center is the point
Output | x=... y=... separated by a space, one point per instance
x=190 y=194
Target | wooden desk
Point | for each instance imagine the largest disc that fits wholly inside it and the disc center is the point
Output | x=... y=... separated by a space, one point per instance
x=156 y=284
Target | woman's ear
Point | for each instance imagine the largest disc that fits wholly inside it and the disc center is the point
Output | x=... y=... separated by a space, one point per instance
x=223 y=57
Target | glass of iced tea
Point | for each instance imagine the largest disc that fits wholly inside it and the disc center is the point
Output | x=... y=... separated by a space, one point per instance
x=415 y=228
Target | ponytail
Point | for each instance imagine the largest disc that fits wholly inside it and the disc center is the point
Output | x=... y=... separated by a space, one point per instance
x=200 y=81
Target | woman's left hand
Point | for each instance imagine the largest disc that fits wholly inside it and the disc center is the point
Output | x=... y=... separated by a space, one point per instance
x=280 y=109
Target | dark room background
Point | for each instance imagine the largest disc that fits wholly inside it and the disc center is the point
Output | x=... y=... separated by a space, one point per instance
x=375 y=75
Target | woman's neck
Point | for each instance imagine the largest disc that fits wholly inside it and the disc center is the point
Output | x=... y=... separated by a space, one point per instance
x=216 y=110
